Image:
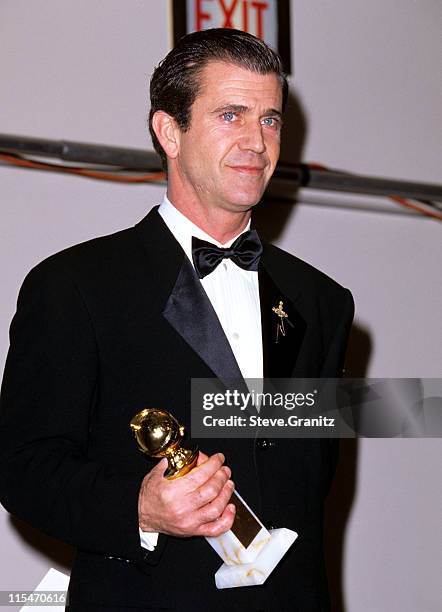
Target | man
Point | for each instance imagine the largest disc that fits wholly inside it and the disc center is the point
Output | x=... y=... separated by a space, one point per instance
x=119 y=323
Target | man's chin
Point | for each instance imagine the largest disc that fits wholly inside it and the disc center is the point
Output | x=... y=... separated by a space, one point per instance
x=241 y=206
x=245 y=201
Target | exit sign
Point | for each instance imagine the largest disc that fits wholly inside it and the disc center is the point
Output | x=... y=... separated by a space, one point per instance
x=267 y=19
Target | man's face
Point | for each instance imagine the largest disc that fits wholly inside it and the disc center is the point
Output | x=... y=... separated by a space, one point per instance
x=230 y=150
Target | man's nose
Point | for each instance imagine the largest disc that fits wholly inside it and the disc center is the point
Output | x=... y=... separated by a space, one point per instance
x=252 y=138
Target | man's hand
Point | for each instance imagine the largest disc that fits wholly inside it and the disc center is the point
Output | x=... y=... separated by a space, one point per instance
x=196 y=504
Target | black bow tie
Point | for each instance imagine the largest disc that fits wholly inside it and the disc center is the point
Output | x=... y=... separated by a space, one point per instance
x=245 y=252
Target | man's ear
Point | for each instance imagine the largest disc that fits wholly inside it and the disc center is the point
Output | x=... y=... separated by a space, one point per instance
x=167 y=132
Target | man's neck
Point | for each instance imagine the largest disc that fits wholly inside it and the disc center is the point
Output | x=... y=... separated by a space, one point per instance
x=221 y=224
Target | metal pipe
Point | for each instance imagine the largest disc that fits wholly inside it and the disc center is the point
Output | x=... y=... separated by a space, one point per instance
x=80 y=152
x=341 y=181
x=294 y=176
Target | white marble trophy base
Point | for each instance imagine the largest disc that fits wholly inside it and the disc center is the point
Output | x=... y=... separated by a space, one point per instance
x=257 y=572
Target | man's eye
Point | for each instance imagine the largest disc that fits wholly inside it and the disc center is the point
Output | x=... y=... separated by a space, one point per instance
x=270 y=121
x=228 y=116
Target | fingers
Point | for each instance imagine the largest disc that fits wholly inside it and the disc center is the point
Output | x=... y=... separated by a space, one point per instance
x=202 y=457
x=160 y=467
x=203 y=472
x=211 y=489
x=195 y=504
x=220 y=525
x=213 y=510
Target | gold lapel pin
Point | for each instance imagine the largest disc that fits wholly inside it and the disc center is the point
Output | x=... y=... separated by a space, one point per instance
x=279 y=311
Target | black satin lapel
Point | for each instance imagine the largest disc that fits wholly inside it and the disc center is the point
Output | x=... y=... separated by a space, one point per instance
x=279 y=357
x=191 y=314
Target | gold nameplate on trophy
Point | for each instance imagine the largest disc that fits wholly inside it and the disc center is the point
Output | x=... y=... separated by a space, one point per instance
x=245 y=526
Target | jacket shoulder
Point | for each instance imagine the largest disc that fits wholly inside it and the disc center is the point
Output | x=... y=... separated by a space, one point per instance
x=96 y=258
x=289 y=269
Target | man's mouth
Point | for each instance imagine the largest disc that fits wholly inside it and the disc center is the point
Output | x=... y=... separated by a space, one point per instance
x=251 y=170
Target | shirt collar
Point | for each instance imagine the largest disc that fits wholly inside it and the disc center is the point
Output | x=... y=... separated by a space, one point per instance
x=183 y=228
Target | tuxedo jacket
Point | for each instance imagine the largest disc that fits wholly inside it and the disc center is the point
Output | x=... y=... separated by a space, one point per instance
x=120 y=323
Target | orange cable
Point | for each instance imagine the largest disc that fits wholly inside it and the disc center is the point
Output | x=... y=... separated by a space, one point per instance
x=409 y=204
x=96 y=174
x=402 y=201
x=158 y=176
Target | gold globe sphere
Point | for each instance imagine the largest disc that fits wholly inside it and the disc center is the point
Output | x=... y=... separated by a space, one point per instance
x=159 y=434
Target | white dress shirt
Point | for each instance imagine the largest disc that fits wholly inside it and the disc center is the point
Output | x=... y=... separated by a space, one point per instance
x=234 y=295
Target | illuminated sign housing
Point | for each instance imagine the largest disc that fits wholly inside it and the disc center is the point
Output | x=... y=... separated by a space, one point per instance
x=267 y=19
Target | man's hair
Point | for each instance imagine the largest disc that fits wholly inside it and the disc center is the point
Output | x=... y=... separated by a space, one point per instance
x=176 y=82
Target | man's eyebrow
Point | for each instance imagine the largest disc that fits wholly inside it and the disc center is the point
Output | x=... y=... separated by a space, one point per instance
x=273 y=111
x=237 y=108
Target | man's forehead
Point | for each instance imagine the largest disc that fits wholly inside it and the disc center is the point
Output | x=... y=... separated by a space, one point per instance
x=221 y=79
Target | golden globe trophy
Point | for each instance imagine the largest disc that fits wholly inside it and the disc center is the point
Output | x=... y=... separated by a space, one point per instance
x=250 y=552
